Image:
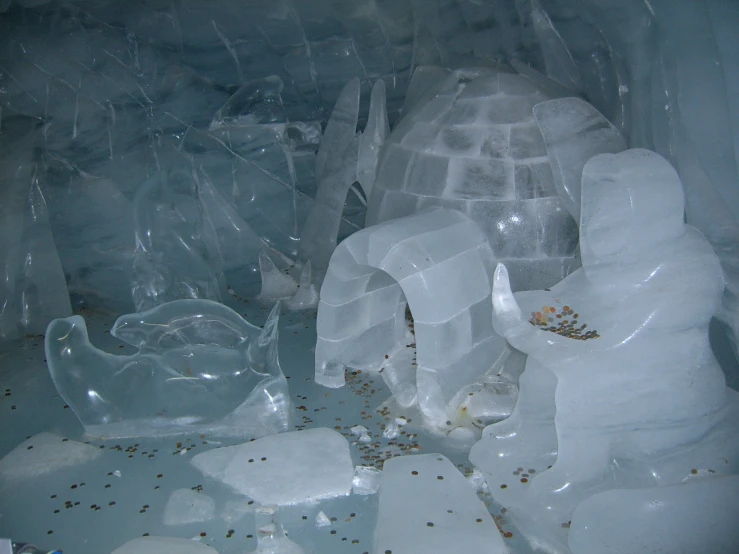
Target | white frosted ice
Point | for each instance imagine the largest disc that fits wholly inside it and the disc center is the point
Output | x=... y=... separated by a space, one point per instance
x=200 y=367
x=426 y=505
x=283 y=469
x=366 y=480
x=271 y=536
x=276 y=281
x=188 y=506
x=621 y=388
x=574 y=131
x=163 y=545
x=44 y=453
x=361 y=314
x=322 y=520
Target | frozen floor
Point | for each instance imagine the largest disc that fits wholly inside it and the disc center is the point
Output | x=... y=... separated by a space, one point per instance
x=96 y=507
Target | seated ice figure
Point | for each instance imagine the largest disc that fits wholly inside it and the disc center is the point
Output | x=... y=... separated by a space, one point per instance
x=200 y=367
x=621 y=388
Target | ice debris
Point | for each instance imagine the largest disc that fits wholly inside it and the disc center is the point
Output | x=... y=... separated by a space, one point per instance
x=188 y=506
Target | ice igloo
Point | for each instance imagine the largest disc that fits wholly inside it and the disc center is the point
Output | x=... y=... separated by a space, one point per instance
x=621 y=388
x=441 y=263
x=469 y=141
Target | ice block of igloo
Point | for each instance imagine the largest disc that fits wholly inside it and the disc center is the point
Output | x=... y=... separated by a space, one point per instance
x=636 y=397
x=574 y=131
x=177 y=252
x=373 y=137
x=469 y=142
x=440 y=263
x=427 y=505
x=163 y=545
x=200 y=368
x=284 y=469
x=336 y=171
x=33 y=289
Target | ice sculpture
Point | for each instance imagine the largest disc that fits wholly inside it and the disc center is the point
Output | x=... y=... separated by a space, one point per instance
x=200 y=367
x=621 y=388
x=361 y=313
x=373 y=138
x=469 y=141
x=426 y=505
x=33 y=290
x=177 y=254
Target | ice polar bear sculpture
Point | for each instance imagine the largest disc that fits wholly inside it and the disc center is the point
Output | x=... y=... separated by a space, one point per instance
x=621 y=389
x=200 y=368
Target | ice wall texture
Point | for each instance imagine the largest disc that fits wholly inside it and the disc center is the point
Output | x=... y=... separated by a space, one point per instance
x=200 y=368
x=110 y=84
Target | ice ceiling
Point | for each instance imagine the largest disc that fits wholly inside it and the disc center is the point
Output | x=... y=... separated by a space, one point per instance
x=112 y=113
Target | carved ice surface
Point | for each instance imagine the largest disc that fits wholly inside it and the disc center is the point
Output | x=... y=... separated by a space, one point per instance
x=621 y=388
x=373 y=138
x=426 y=505
x=441 y=263
x=284 y=469
x=44 y=453
x=200 y=367
x=469 y=142
x=163 y=545
x=188 y=506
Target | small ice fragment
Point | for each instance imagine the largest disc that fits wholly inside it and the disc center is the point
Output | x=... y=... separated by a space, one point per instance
x=362 y=433
x=400 y=421
x=284 y=469
x=426 y=505
x=477 y=481
x=44 y=453
x=163 y=545
x=188 y=506
x=275 y=283
x=117 y=473
x=322 y=520
x=366 y=480
x=391 y=431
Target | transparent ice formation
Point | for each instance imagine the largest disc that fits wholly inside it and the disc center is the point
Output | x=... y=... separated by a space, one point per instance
x=469 y=142
x=284 y=469
x=33 y=289
x=163 y=545
x=271 y=536
x=188 y=506
x=44 y=453
x=366 y=480
x=200 y=367
x=426 y=505
x=621 y=388
x=411 y=261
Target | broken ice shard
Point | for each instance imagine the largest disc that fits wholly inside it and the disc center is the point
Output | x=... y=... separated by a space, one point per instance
x=188 y=506
x=623 y=373
x=284 y=469
x=44 y=453
x=361 y=313
x=200 y=368
x=574 y=131
x=427 y=505
x=33 y=289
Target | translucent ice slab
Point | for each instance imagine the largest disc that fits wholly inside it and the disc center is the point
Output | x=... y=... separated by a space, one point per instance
x=284 y=469
x=163 y=545
x=200 y=367
x=426 y=505
x=44 y=453
x=621 y=388
x=361 y=313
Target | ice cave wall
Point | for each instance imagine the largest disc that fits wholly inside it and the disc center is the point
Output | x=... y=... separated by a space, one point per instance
x=102 y=85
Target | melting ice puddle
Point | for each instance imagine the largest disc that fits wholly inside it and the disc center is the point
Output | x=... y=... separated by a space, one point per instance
x=284 y=469
x=427 y=505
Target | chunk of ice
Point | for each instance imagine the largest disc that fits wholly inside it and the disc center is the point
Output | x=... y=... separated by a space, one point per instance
x=366 y=480
x=426 y=505
x=188 y=506
x=322 y=520
x=373 y=137
x=44 y=453
x=288 y=468
x=271 y=536
x=163 y=545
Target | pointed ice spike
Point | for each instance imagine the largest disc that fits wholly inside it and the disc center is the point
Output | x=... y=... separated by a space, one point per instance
x=341 y=127
x=560 y=65
x=574 y=131
x=275 y=283
x=374 y=136
x=307 y=295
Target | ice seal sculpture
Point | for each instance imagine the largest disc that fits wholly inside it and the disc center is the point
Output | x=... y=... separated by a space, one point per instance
x=621 y=389
x=200 y=368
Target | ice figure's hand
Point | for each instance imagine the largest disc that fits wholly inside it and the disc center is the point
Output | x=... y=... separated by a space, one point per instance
x=508 y=319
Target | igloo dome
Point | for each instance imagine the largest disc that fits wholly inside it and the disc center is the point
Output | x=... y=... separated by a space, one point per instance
x=469 y=141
